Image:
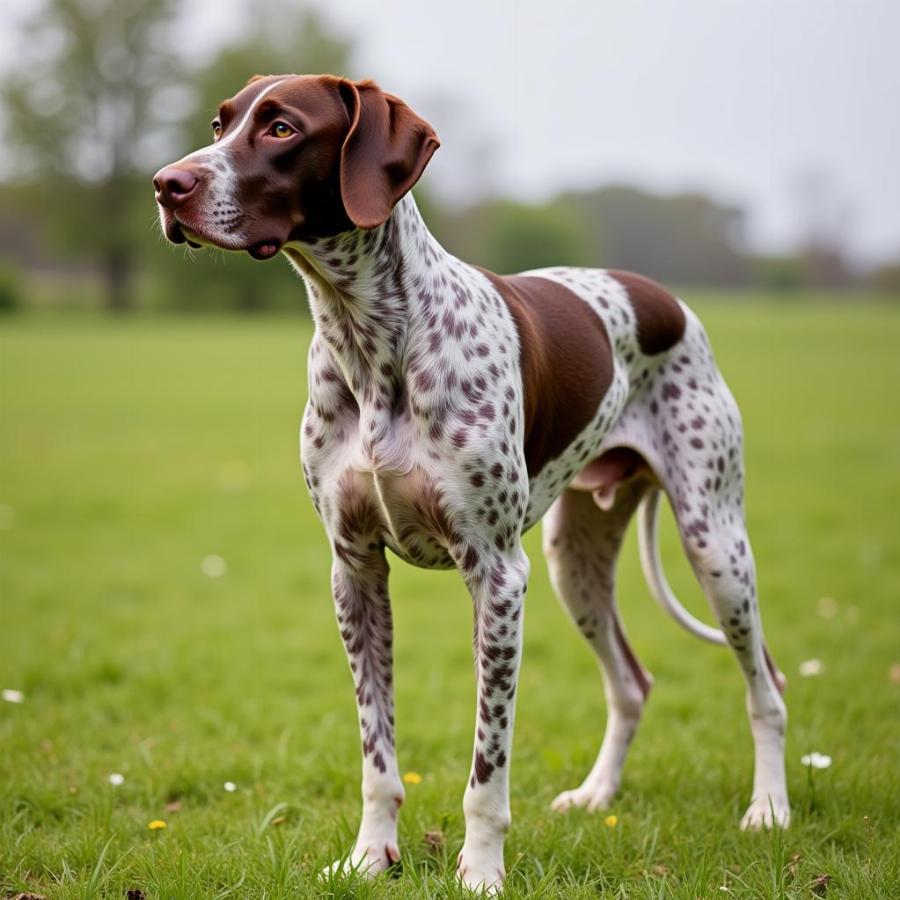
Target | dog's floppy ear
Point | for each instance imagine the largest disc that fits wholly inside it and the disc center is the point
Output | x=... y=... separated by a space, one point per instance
x=384 y=153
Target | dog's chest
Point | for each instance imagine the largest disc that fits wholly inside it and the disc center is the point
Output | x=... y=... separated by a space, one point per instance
x=381 y=465
x=418 y=450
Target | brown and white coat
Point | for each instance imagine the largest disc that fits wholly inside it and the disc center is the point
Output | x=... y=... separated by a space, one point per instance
x=450 y=409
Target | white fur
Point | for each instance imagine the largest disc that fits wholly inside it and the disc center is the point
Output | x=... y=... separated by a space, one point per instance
x=219 y=183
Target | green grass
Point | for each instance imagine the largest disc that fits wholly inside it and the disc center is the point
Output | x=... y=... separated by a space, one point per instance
x=130 y=450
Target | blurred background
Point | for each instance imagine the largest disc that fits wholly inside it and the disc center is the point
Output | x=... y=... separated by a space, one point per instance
x=165 y=620
x=740 y=146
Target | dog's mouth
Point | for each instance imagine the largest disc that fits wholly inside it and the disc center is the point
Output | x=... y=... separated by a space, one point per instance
x=174 y=232
x=183 y=238
x=196 y=236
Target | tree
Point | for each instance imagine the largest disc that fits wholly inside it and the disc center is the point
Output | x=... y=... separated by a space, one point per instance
x=510 y=237
x=679 y=238
x=103 y=98
x=84 y=112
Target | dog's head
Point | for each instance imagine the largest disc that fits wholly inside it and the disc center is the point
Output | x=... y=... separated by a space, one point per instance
x=294 y=157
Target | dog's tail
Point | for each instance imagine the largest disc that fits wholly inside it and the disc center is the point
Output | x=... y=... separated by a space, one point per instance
x=648 y=545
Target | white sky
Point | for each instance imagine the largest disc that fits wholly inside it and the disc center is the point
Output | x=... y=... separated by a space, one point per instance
x=790 y=108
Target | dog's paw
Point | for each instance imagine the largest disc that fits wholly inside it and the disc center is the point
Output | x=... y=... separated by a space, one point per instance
x=480 y=872
x=365 y=861
x=592 y=797
x=767 y=812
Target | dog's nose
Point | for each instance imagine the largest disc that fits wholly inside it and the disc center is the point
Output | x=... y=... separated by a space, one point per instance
x=173 y=186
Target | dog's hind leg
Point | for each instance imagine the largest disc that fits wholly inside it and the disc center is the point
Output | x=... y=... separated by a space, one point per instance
x=581 y=543
x=716 y=541
x=703 y=475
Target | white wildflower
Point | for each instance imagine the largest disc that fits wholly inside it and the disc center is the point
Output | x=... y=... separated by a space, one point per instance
x=816 y=760
x=213 y=566
x=809 y=668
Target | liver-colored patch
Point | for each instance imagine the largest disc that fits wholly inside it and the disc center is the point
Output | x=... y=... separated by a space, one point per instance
x=567 y=363
x=660 y=318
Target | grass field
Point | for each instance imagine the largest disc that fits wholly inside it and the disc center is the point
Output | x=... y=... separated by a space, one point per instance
x=132 y=450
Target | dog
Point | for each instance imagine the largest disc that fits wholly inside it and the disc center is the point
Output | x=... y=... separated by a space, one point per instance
x=451 y=408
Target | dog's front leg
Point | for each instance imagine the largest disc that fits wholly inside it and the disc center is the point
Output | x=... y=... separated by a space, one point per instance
x=363 y=609
x=497 y=583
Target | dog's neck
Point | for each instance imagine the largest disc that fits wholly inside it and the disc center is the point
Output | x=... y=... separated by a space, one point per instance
x=368 y=290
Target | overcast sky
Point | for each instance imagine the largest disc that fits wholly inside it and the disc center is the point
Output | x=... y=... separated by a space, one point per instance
x=790 y=108
x=770 y=103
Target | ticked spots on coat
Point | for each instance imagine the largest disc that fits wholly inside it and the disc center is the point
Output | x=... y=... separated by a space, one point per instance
x=449 y=409
x=430 y=394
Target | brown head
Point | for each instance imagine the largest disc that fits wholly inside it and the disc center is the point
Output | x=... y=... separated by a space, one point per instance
x=295 y=157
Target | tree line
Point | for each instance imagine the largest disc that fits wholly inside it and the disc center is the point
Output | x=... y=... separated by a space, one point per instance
x=101 y=96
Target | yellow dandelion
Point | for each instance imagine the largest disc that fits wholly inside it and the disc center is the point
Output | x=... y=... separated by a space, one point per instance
x=611 y=821
x=156 y=824
x=412 y=778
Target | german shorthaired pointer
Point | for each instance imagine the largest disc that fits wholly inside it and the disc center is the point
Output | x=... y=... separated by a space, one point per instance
x=451 y=408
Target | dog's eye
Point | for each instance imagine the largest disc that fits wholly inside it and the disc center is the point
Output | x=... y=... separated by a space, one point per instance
x=217 y=128
x=281 y=130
